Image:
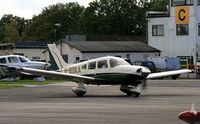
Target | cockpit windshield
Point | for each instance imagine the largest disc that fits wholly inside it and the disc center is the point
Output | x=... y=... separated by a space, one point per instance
x=115 y=62
x=23 y=59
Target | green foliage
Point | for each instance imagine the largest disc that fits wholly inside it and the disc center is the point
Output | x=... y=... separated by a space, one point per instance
x=114 y=17
x=107 y=17
x=43 y=27
x=160 y=5
x=22 y=83
x=11 y=28
x=11 y=34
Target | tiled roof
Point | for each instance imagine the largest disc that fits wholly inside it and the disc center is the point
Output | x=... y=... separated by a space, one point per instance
x=112 y=46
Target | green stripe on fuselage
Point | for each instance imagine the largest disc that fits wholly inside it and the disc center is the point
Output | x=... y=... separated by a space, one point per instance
x=117 y=78
x=54 y=66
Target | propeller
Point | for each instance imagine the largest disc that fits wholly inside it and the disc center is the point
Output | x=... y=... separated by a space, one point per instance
x=193 y=110
x=144 y=72
x=144 y=84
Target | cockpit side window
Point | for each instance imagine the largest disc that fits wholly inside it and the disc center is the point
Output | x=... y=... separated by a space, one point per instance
x=114 y=63
x=102 y=64
x=92 y=65
x=23 y=59
x=84 y=66
x=3 y=60
x=12 y=59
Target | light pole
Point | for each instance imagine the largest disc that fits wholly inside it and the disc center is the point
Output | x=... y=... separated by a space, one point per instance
x=55 y=31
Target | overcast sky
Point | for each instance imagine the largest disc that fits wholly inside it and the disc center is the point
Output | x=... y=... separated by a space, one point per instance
x=28 y=8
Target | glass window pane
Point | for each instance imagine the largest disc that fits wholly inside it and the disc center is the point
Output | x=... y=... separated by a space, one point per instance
x=189 y=2
x=160 y=30
x=182 y=2
x=182 y=29
x=3 y=61
x=157 y=30
x=199 y=29
x=102 y=64
x=153 y=30
x=92 y=65
x=12 y=59
x=178 y=2
x=23 y=59
x=114 y=63
x=84 y=66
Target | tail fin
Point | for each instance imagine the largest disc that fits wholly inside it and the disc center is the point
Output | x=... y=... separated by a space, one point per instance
x=56 y=60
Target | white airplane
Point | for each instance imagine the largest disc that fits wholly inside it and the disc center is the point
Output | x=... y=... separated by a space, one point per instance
x=101 y=71
x=19 y=61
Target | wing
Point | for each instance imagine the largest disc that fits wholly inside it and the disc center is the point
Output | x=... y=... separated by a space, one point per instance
x=167 y=73
x=58 y=75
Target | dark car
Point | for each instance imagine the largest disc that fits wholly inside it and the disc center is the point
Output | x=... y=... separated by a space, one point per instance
x=150 y=65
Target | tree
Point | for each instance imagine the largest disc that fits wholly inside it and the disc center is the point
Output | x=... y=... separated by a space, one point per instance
x=11 y=34
x=8 y=22
x=107 y=17
x=114 y=17
x=42 y=27
x=158 y=5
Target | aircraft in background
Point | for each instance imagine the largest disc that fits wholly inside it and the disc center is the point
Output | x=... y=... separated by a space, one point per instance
x=101 y=71
x=191 y=117
x=19 y=61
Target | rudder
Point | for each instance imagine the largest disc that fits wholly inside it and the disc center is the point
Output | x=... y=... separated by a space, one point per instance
x=56 y=59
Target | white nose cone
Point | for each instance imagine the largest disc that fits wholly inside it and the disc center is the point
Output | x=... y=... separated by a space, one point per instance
x=146 y=70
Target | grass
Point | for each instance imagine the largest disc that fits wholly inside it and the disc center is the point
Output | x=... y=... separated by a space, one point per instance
x=21 y=83
x=9 y=86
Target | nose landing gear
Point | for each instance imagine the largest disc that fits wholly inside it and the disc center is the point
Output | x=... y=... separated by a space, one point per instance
x=130 y=91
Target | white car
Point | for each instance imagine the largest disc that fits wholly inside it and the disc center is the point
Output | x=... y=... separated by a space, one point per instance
x=19 y=61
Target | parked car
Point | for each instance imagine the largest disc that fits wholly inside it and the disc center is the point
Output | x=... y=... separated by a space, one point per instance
x=166 y=64
x=150 y=65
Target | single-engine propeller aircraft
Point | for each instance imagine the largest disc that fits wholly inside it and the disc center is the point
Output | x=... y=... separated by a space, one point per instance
x=101 y=71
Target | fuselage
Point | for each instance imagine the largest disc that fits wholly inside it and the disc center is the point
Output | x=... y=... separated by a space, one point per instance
x=110 y=70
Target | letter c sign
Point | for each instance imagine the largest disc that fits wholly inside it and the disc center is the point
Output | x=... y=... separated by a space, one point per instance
x=182 y=15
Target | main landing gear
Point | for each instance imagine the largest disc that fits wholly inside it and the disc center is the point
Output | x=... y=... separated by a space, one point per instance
x=130 y=91
x=79 y=90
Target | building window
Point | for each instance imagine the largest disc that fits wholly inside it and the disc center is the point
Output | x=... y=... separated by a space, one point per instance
x=199 y=29
x=182 y=2
x=77 y=60
x=182 y=29
x=157 y=30
x=198 y=2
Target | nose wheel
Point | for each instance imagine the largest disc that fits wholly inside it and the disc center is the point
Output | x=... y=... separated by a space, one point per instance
x=135 y=94
x=130 y=91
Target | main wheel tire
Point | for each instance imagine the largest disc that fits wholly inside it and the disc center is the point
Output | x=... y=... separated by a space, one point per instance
x=136 y=95
x=79 y=95
x=129 y=94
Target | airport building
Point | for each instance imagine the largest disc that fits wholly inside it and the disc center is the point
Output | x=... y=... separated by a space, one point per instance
x=32 y=50
x=177 y=32
x=75 y=51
